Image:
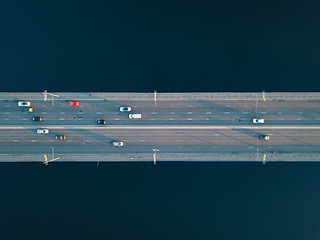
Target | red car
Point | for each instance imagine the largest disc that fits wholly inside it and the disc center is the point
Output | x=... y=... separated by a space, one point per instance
x=73 y=103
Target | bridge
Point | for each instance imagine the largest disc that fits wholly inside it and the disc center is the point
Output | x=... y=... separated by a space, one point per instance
x=174 y=127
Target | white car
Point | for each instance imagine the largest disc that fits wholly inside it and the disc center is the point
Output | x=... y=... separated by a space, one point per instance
x=125 y=109
x=24 y=104
x=117 y=144
x=42 y=131
x=135 y=116
x=258 y=120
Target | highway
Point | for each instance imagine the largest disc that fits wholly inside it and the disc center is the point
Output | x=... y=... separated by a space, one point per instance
x=173 y=127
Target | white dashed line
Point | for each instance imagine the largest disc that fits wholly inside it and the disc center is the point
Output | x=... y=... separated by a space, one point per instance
x=208 y=112
x=190 y=112
x=61 y=118
x=227 y=112
x=250 y=147
x=6 y=119
x=281 y=119
x=189 y=119
x=299 y=119
x=24 y=119
x=99 y=112
x=6 y=113
x=6 y=106
x=171 y=113
x=190 y=106
x=171 y=119
x=51 y=140
x=214 y=147
x=153 y=113
x=142 y=140
x=317 y=118
x=227 y=106
x=153 y=119
x=116 y=119
x=44 y=113
x=33 y=140
x=207 y=118
x=14 y=140
x=299 y=112
x=263 y=112
x=62 y=113
x=245 y=112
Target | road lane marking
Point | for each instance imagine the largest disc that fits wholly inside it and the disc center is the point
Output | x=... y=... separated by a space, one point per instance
x=171 y=113
x=227 y=112
x=44 y=113
x=24 y=119
x=6 y=106
x=14 y=140
x=6 y=119
x=62 y=113
x=208 y=112
x=245 y=112
x=61 y=118
x=116 y=119
x=153 y=113
x=263 y=112
x=189 y=119
x=6 y=113
x=190 y=112
x=33 y=140
x=99 y=112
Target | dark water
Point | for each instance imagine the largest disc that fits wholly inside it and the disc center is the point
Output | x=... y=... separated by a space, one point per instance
x=169 y=46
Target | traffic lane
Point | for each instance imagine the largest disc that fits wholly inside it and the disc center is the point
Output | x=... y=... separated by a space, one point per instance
x=138 y=137
x=182 y=105
x=108 y=149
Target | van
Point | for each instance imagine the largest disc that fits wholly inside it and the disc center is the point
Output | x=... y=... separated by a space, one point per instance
x=135 y=116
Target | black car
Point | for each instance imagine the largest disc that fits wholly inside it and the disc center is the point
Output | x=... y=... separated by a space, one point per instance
x=101 y=122
x=264 y=137
x=61 y=137
x=37 y=119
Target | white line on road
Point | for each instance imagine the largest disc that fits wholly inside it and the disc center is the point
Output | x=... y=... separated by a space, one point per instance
x=245 y=112
x=44 y=113
x=263 y=112
x=99 y=112
x=227 y=112
x=14 y=140
x=6 y=119
x=24 y=119
x=6 y=113
x=189 y=119
x=116 y=119
x=208 y=112
x=61 y=118
x=153 y=113
x=33 y=140
x=6 y=106
x=62 y=113
x=190 y=112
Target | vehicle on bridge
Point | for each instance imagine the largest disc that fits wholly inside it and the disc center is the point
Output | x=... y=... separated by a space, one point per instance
x=135 y=116
x=30 y=109
x=101 y=122
x=264 y=137
x=61 y=137
x=42 y=131
x=74 y=103
x=258 y=120
x=125 y=109
x=117 y=144
x=37 y=119
x=24 y=104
